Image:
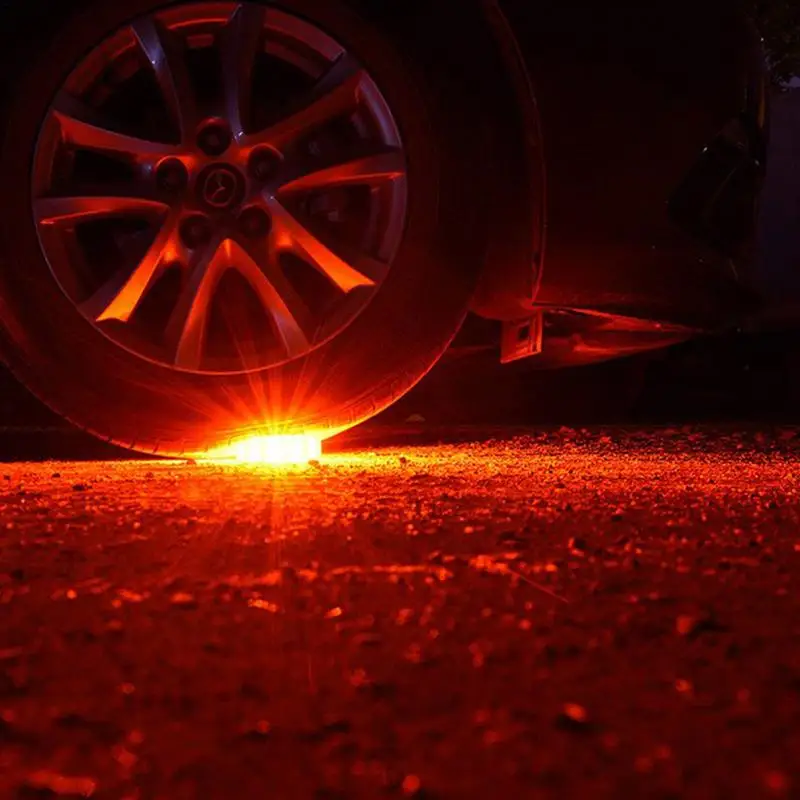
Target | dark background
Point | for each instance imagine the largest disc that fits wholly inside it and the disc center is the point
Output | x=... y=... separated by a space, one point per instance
x=739 y=375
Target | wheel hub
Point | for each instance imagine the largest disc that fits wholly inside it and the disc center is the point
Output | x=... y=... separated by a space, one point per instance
x=305 y=181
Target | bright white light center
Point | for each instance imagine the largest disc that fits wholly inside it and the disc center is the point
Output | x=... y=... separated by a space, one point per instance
x=297 y=449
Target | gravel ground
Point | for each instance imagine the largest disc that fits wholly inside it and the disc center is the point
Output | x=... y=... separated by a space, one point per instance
x=595 y=614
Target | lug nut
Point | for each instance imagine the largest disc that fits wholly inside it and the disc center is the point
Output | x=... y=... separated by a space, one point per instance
x=214 y=139
x=195 y=231
x=263 y=165
x=255 y=222
x=172 y=176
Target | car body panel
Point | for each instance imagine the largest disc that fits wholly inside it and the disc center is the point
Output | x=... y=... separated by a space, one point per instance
x=629 y=95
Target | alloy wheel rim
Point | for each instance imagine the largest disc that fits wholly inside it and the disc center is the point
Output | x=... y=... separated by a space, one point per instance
x=220 y=188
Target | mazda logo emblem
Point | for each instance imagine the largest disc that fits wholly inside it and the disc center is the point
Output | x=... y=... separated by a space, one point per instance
x=220 y=188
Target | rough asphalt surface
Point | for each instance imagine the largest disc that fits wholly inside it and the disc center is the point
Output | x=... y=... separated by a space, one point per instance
x=592 y=615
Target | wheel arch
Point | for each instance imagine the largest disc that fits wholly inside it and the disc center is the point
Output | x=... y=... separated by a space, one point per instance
x=475 y=41
x=516 y=254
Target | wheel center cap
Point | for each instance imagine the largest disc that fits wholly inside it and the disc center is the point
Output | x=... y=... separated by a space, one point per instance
x=220 y=187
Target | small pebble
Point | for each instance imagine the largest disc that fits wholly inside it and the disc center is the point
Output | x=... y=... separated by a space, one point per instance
x=183 y=599
x=60 y=785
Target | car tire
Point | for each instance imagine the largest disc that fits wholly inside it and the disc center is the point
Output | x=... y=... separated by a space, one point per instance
x=144 y=405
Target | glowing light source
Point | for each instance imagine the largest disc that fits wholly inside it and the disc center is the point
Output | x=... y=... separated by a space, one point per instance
x=296 y=449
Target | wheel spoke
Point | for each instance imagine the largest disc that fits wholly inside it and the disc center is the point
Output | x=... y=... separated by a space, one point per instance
x=334 y=95
x=292 y=236
x=94 y=205
x=186 y=330
x=368 y=170
x=167 y=58
x=241 y=39
x=122 y=295
x=85 y=128
x=288 y=311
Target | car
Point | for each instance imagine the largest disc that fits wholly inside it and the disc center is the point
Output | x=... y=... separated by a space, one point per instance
x=233 y=219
